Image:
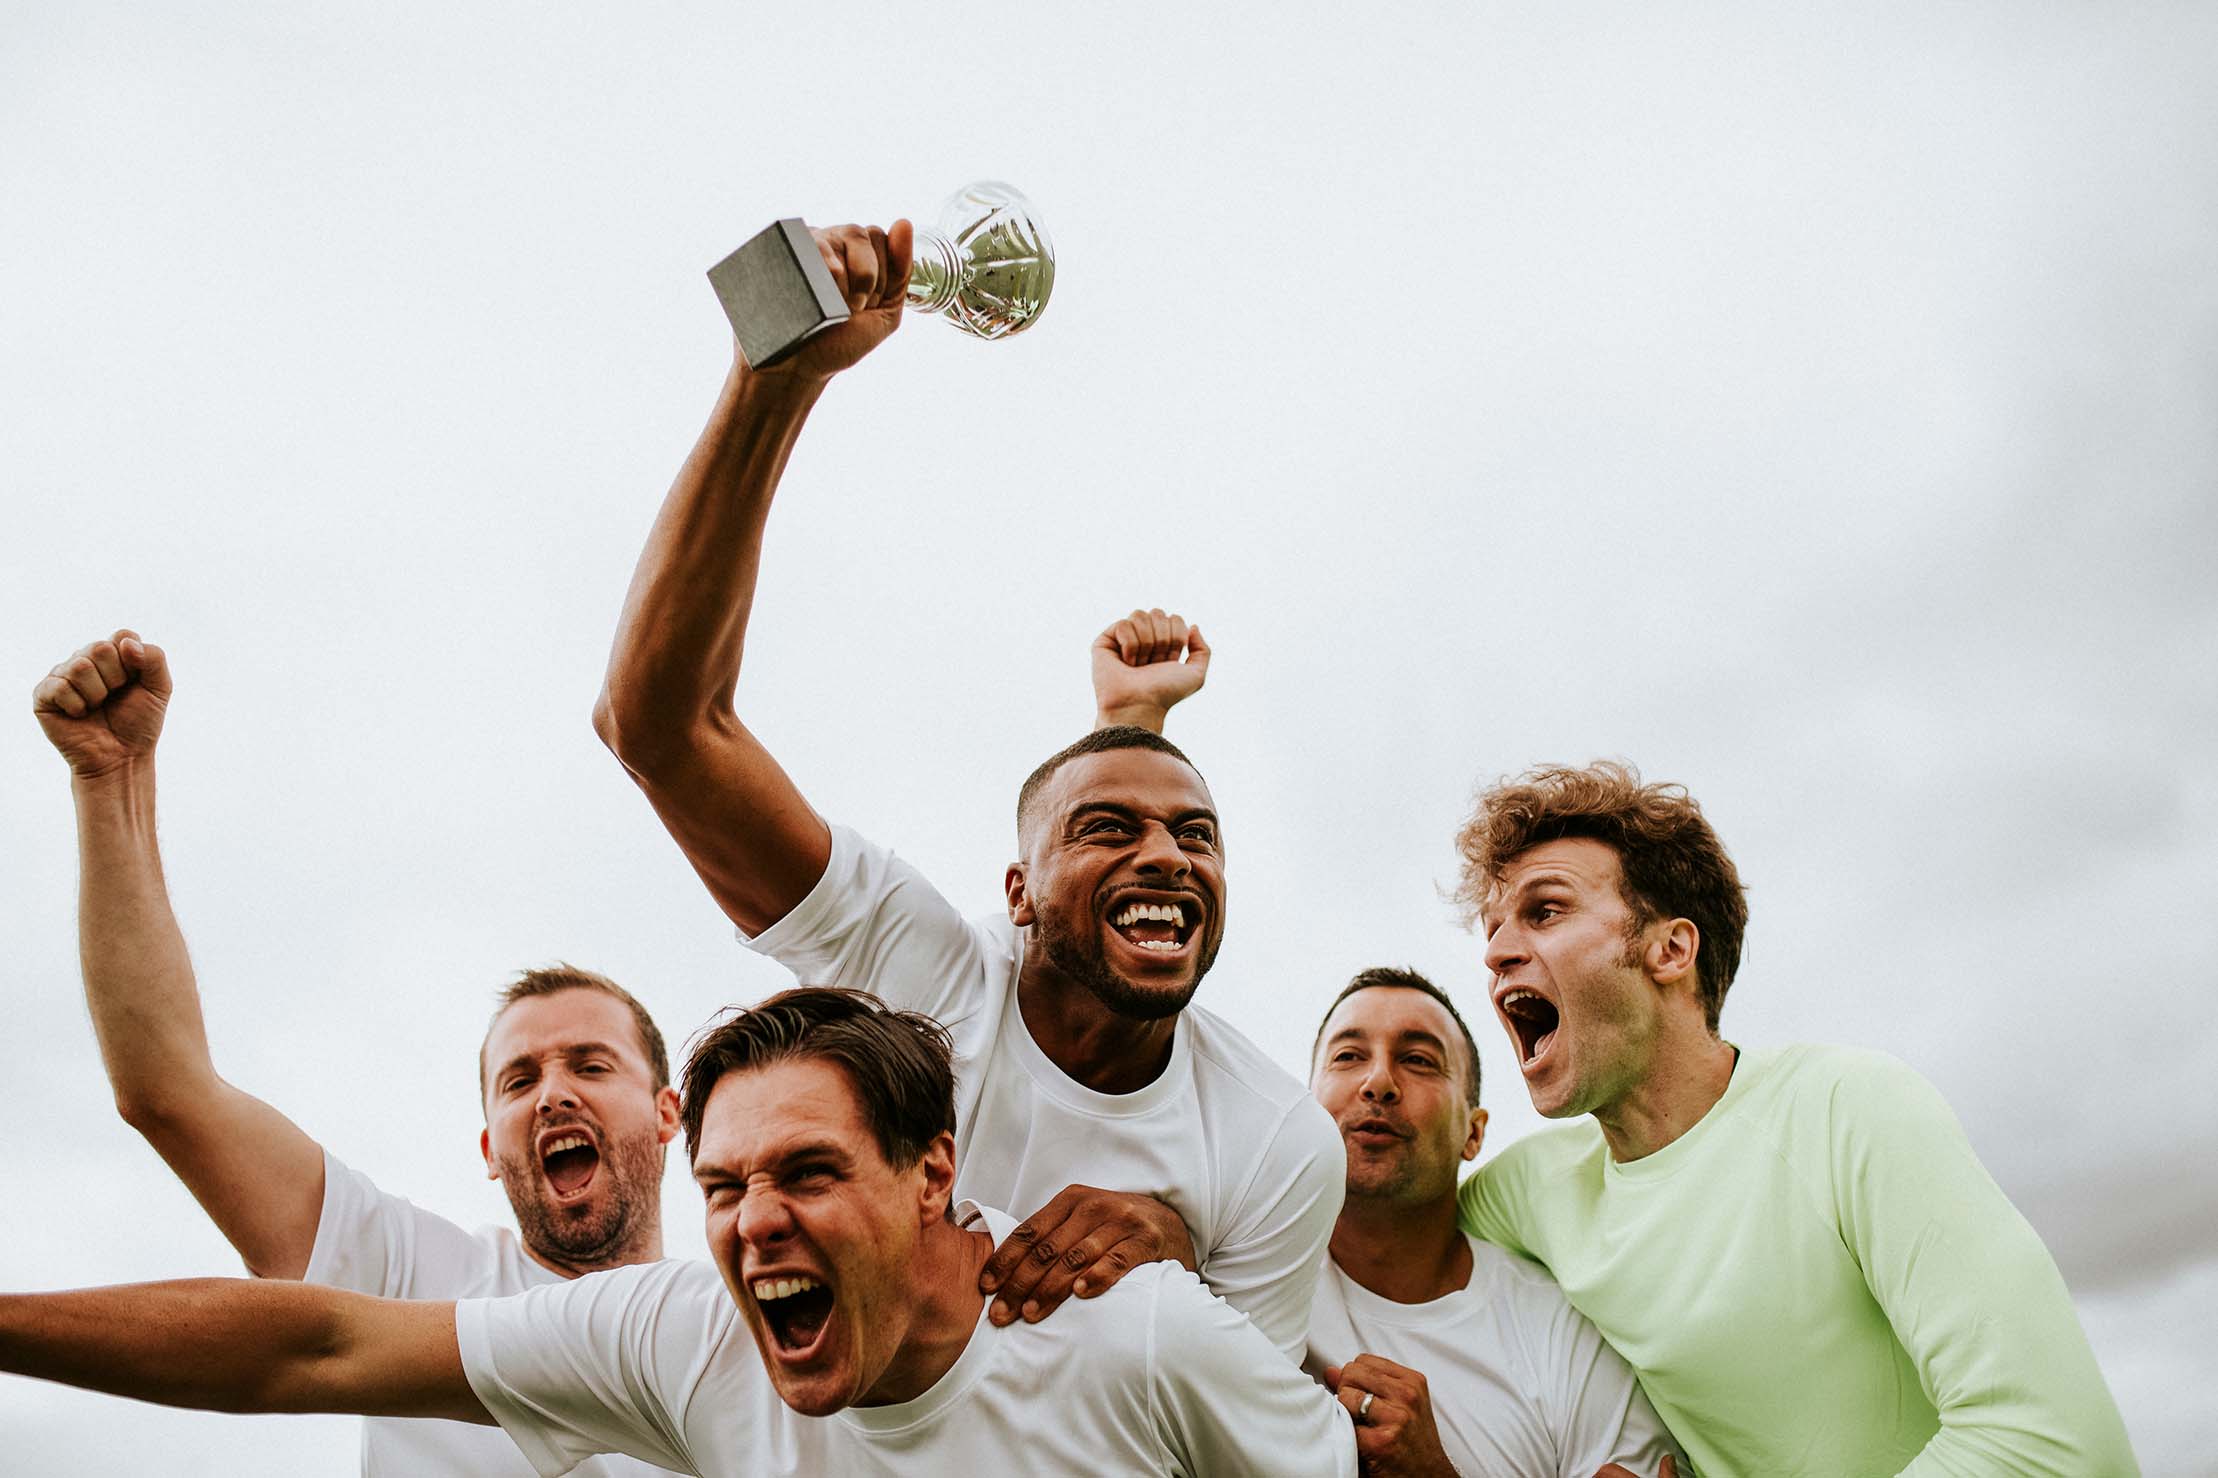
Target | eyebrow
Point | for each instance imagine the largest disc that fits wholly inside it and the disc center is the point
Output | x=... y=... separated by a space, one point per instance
x=572 y=1052
x=1414 y=1034
x=822 y=1147
x=1114 y=808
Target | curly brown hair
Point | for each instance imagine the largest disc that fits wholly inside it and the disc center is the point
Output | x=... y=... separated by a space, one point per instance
x=1674 y=866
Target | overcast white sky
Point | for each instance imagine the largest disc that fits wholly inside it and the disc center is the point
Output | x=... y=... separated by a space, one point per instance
x=1815 y=405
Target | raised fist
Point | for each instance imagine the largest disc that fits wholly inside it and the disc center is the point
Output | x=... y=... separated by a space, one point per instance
x=871 y=268
x=102 y=708
x=1138 y=672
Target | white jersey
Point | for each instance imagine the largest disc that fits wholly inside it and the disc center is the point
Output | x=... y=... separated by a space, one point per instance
x=371 y=1242
x=1522 y=1386
x=1224 y=1135
x=1154 y=1376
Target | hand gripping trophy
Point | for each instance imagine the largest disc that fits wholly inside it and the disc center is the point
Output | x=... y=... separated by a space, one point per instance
x=986 y=266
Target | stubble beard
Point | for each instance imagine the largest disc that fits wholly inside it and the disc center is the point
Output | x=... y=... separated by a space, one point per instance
x=1079 y=957
x=605 y=1231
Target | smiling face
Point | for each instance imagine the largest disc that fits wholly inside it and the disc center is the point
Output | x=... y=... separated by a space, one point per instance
x=1123 y=879
x=1390 y=1070
x=1569 y=983
x=575 y=1129
x=815 y=1233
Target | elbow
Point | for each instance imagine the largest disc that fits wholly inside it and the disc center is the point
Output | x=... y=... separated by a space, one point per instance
x=649 y=739
x=153 y=1115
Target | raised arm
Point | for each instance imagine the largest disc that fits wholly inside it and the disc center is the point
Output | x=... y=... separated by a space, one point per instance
x=1144 y=666
x=667 y=709
x=257 y=1175
x=225 y=1344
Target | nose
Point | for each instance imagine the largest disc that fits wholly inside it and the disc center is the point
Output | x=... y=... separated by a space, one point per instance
x=1160 y=853
x=1378 y=1082
x=764 y=1218
x=557 y=1094
x=1505 y=947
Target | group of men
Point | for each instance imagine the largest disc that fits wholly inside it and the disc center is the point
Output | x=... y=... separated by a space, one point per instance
x=994 y=1195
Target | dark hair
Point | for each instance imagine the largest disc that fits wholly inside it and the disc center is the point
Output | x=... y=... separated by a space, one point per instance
x=560 y=977
x=1674 y=866
x=1386 y=977
x=900 y=1063
x=1100 y=741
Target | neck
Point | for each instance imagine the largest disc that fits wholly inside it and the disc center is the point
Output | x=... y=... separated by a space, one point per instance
x=1093 y=1045
x=943 y=1314
x=643 y=1246
x=1688 y=1074
x=1410 y=1254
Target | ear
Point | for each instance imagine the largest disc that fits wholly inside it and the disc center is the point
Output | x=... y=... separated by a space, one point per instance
x=666 y=1115
x=937 y=1188
x=1020 y=902
x=1475 y=1135
x=485 y=1148
x=1670 y=955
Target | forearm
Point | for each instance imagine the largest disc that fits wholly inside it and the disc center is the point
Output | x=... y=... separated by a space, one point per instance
x=138 y=976
x=678 y=645
x=233 y=1345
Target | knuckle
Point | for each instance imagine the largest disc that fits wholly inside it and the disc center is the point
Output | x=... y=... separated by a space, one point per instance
x=1044 y=1252
x=1077 y=1259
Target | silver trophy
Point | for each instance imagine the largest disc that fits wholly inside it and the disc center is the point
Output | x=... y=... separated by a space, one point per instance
x=985 y=265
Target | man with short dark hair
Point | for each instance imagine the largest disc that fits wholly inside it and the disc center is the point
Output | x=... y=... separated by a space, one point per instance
x=1795 y=1247
x=572 y=1074
x=1079 y=1058
x=821 y=1127
x=1444 y=1331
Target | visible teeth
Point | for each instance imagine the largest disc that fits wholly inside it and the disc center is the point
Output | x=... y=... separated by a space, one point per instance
x=1511 y=998
x=566 y=1142
x=769 y=1289
x=1160 y=946
x=1157 y=913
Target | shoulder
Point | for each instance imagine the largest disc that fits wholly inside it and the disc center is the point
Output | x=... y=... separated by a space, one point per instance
x=1854 y=1087
x=1229 y=1065
x=1542 y=1155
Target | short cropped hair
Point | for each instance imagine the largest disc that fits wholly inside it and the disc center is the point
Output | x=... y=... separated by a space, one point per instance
x=560 y=977
x=900 y=1063
x=1387 y=977
x=1674 y=866
x=1116 y=736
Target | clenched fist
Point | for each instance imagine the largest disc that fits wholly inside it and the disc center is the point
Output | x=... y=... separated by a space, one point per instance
x=102 y=707
x=870 y=266
x=1144 y=666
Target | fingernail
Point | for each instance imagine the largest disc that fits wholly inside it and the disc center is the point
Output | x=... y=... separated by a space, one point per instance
x=1082 y=1288
x=999 y=1313
x=989 y=1281
x=1031 y=1311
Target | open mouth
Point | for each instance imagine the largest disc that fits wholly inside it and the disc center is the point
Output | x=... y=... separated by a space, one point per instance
x=1533 y=1020
x=1157 y=928
x=795 y=1310
x=570 y=1161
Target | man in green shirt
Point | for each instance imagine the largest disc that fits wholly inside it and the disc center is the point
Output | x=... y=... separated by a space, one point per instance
x=1795 y=1247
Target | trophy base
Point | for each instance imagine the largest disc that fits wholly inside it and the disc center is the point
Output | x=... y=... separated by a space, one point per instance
x=777 y=292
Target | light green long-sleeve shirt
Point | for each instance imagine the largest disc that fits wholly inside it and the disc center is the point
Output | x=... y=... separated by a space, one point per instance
x=1817 y=1278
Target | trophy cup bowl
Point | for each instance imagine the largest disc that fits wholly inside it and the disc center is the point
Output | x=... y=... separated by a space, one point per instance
x=985 y=265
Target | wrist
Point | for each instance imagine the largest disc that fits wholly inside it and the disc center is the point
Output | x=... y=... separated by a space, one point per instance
x=1149 y=716
x=114 y=780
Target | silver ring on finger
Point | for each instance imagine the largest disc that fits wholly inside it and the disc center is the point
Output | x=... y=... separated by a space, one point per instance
x=1363 y=1408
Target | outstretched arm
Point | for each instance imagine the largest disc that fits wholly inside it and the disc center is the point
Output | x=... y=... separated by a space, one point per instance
x=226 y=1344
x=666 y=709
x=1144 y=666
x=257 y=1175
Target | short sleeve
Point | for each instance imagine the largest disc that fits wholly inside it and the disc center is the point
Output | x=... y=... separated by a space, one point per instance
x=605 y=1363
x=1268 y=1263
x=1225 y=1404
x=368 y=1241
x=873 y=923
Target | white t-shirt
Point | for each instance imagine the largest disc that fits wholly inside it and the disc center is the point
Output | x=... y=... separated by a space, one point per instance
x=371 y=1242
x=1225 y=1136
x=1154 y=1376
x=1522 y=1386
